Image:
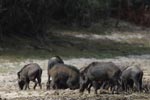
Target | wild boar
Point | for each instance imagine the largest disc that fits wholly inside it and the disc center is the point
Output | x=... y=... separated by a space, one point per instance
x=99 y=72
x=64 y=76
x=29 y=72
x=130 y=76
x=52 y=61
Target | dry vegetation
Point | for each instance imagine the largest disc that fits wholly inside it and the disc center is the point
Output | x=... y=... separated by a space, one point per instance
x=10 y=90
x=79 y=49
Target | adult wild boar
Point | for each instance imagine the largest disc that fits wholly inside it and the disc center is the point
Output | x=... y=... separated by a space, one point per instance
x=98 y=72
x=130 y=76
x=29 y=72
x=52 y=61
x=64 y=76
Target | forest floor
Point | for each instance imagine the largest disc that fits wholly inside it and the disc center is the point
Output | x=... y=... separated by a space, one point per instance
x=78 y=48
x=122 y=48
x=9 y=88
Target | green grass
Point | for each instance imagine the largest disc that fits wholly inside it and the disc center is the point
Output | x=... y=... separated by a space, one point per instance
x=97 y=28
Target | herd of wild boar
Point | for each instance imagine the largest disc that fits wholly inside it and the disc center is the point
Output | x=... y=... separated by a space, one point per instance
x=99 y=75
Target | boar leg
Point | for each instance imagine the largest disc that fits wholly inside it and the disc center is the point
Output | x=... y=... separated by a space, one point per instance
x=89 y=88
x=35 y=84
x=27 y=84
x=39 y=82
x=137 y=84
x=95 y=86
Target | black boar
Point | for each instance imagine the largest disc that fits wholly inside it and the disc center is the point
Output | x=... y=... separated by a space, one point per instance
x=99 y=72
x=130 y=76
x=54 y=60
x=29 y=72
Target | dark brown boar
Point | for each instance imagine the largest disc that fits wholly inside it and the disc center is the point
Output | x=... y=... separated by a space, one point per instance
x=64 y=76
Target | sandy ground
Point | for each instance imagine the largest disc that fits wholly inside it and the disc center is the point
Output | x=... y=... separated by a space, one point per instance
x=9 y=88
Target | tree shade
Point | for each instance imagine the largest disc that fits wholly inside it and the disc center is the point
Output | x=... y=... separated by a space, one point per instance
x=31 y=17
